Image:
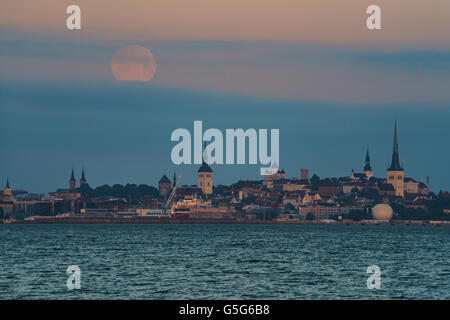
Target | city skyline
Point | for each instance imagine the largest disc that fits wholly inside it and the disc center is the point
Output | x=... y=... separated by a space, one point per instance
x=394 y=166
x=223 y=156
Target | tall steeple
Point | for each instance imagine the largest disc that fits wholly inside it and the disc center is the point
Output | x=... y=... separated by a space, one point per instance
x=83 y=178
x=7 y=191
x=395 y=164
x=72 y=181
x=395 y=173
x=367 y=167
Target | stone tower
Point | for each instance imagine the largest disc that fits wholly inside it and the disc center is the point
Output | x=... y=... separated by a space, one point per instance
x=7 y=191
x=304 y=174
x=205 y=176
x=164 y=185
x=395 y=173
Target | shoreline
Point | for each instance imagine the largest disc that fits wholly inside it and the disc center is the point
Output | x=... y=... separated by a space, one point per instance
x=142 y=220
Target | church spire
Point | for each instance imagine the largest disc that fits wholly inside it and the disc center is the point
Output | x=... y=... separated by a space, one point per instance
x=367 y=166
x=72 y=181
x=83 y=178
x=395 y=164
x=7 y=182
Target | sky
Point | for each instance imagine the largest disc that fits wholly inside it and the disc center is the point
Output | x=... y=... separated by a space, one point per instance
x=309 y=68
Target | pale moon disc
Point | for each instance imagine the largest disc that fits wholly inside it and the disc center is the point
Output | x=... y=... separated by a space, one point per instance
x=133 y=63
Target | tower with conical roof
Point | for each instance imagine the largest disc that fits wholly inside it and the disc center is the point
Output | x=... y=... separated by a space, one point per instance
x=83 y=178
x=164 y=185
x=395 y=173
x=7 y=191
x=367 y=168
x=205 y=175
x=72 y=181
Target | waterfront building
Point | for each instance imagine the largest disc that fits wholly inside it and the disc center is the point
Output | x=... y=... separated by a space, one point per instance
x=395 y=173
x=320 y=212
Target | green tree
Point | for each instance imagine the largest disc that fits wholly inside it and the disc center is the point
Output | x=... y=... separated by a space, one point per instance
x=356 y=215
x=315 y=180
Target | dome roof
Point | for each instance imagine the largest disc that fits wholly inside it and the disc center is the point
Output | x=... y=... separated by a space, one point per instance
x=205 y=168
x=382 y=212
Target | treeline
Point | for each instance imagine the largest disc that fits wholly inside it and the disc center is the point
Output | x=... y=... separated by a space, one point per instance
x=129 y=191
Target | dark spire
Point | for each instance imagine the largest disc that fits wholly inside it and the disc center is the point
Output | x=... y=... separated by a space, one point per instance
x=395 y=164
x=164 y=179
x=72 y=176
x=7 y=182
x=367 y=167
x=82 y=175
x=174 y=179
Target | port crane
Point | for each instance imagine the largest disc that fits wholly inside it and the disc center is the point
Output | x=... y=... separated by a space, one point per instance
x=166 y=206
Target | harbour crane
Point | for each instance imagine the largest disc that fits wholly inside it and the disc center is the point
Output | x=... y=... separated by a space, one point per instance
x=172 y=195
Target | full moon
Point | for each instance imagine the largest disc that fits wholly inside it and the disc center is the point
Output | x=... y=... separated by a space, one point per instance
x=133 y=63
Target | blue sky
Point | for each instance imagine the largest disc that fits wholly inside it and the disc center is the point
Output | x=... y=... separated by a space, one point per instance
x=121 y=134
x=60 y=107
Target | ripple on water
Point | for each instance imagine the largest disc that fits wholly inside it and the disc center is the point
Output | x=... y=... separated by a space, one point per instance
x=223 y=261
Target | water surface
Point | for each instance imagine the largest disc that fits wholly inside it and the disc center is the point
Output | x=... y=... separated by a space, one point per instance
x=208 y=261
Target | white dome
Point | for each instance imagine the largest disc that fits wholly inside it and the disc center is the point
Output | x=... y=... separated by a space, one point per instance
x=382 y=212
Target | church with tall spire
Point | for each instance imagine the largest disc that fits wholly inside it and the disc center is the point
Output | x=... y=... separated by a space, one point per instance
x=83 y=178
x=367 y=168
x=395 y=173
x=7 y=191
x=72 y=181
